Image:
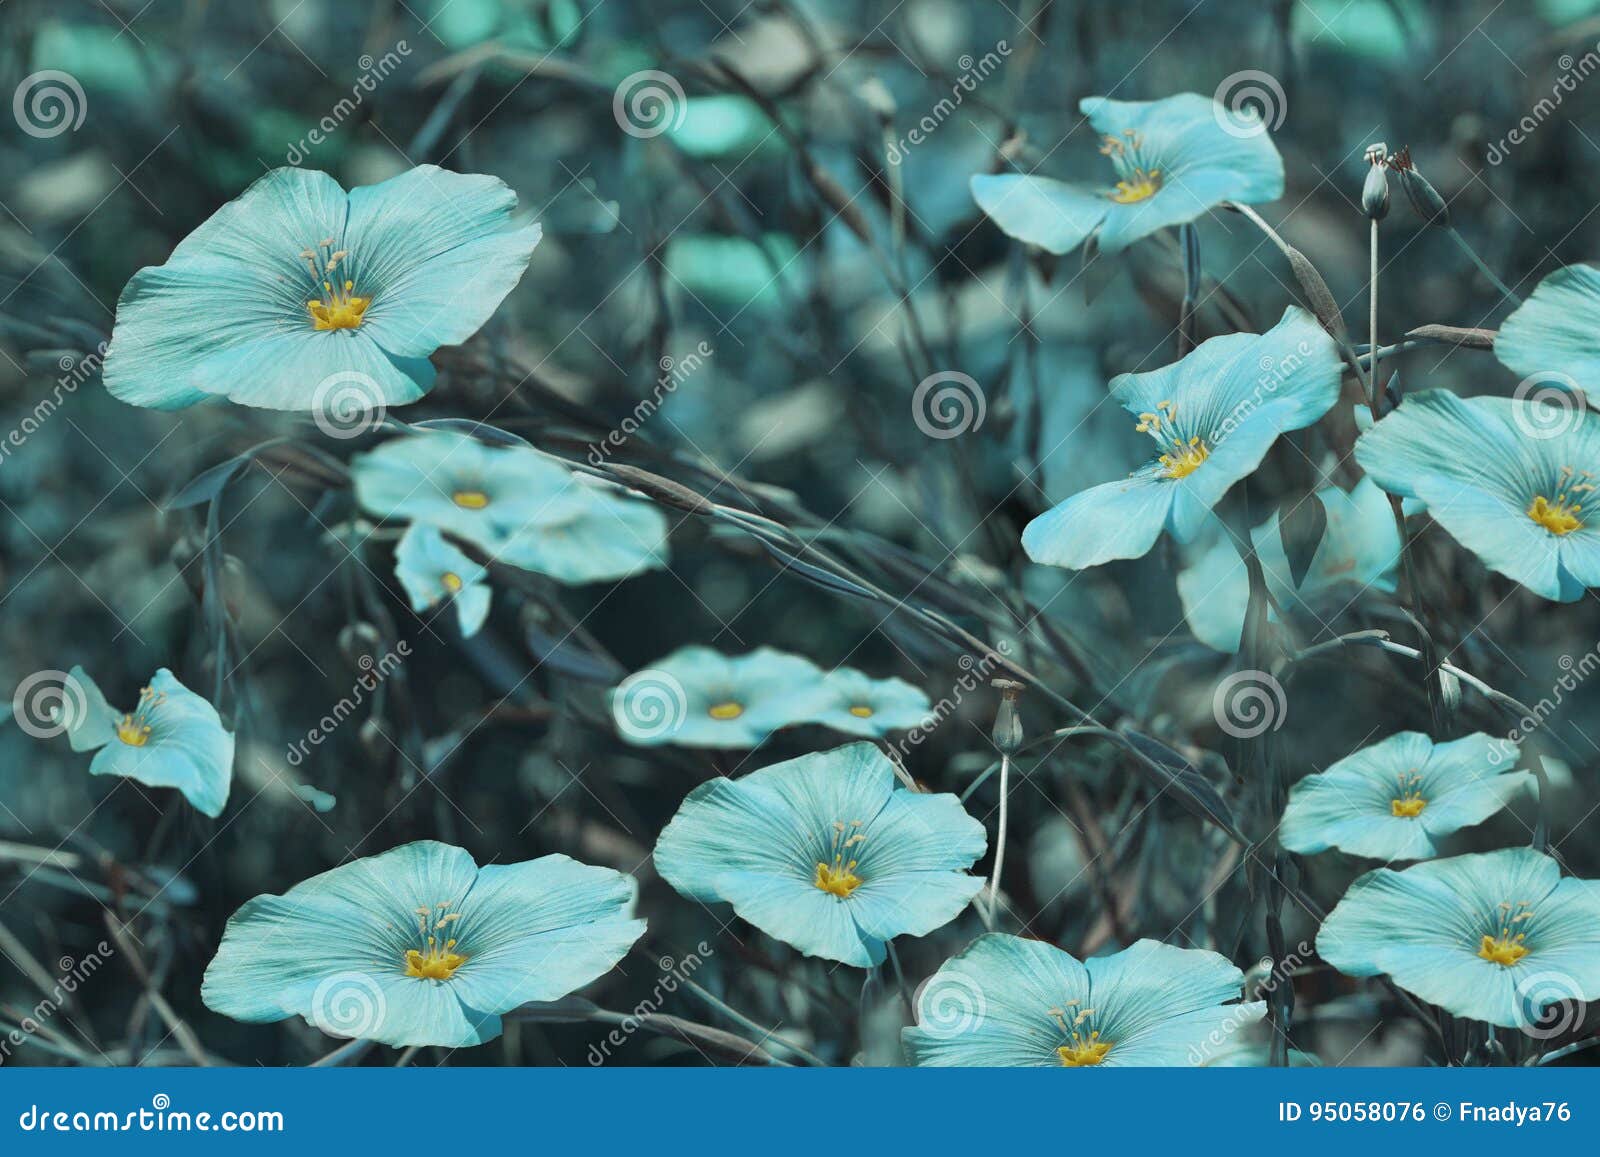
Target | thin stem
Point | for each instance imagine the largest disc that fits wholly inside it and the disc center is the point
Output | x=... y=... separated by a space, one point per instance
x=1482 y=268
x=1000 y=841
x=1372 y=317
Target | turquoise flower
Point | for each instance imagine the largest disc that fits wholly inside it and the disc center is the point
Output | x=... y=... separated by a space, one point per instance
x=1011 y=1002
x=1173 y=160
x=1555 y=334
x=298 y=283
x=431 y=569
x=173 y=738
x=1396 y=799
x=1213 y=416
x=1495 y=937
x=871 y=707
x=420 y=946
x=1359 y=551
x=698 y=697
x=826 y=853
x=1510 y=480
x=524 y=508
x=608 y=536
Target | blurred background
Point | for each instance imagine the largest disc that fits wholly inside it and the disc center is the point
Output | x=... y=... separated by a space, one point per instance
x=756 y=214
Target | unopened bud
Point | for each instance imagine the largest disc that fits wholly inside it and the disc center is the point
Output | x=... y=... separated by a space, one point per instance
x=1007 y=733
x=1420 y=192
x=1375 y=191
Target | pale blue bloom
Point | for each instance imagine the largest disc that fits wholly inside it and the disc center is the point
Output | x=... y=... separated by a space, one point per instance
x=609 y=535
x=297 y=285
x=1494 y=937
x=1172 y=160
x=173 y=738
x=1213 y=416
x=1396 y=799
x=524 y=508
x=699 y=697
x=420 y=946
x=1012 y=1002
x=826 y=853
x=1359 y=552
x=862 y=705
x=431 y=569
x=1554 y=336
x=1510 y=480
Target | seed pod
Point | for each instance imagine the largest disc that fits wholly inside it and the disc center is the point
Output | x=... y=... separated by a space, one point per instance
x=1419 y=191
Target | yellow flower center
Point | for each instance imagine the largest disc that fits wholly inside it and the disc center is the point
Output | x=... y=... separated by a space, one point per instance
x=1558 y=517
x=1183 y=455
x=838 y=878
x=439 y=960
x=1141 y=187
x=470 y=499
x=1408 y=803
x=338 y=307
x=1140 y=176
x=132 y=728
x=133 y=731
x=1083 y=1051
x=451 y=581
x=725 y=710
x=1503 y=950
x=861 y=711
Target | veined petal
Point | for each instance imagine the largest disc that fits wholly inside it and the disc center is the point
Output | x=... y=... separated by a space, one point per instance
x=438 y=252
x=1553 y=333
x=1052 y=215
x=1114 y=520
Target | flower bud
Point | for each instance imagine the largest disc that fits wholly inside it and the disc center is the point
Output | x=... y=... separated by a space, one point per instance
x=1419 y=191
x=1375 y=193
x=1007 y=734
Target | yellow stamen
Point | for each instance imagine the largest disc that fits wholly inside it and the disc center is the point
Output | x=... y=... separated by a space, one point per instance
x=726 y=710
x=1504 y=951
x=338 y=307
x=1141 y=187
x=1410 y=807
x=1185 y=458
x=1083 y=1051
x=133 y=731
x=838 y=878
x=861 y=711
x=1558 y=517
x=439 y=962
x=451 y=581
x=470 y=499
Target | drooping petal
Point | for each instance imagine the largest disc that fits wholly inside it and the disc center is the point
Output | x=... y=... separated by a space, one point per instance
x=1054 y=216
x=1114 y=520
x=91 y=721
